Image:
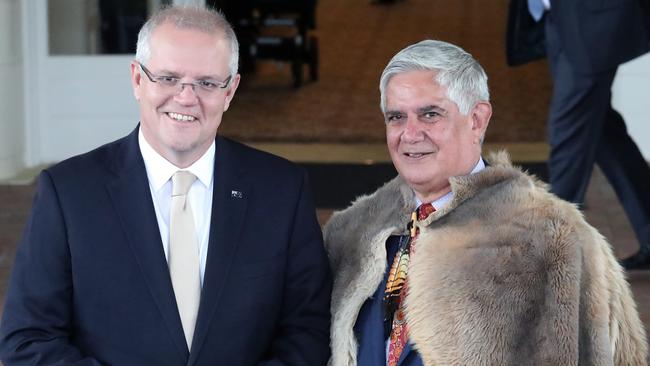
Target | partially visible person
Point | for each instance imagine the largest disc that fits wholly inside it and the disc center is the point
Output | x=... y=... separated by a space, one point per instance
x=173 y=245
x=461 y=262
x=586 y=41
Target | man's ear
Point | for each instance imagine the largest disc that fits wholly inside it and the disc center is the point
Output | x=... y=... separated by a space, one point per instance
x=136 y=79
x=230 y=93
x=481 y=114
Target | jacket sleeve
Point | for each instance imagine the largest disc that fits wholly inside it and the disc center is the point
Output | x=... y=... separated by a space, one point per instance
x=37 y=324
x=303 y=335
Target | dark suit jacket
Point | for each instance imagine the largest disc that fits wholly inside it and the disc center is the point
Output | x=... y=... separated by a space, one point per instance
x=90 y=283
x=599 y=35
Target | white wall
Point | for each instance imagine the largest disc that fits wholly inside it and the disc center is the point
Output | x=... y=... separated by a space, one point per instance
x=88 y=101
x=631 y=97
x=11 y=90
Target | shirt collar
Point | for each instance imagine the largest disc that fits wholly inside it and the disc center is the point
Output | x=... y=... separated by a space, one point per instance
x=444 y=200
x=160 y=170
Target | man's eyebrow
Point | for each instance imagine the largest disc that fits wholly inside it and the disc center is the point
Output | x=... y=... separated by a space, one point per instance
x=432 y=108
x=176 y=74
x=165 y=72
x=211 y=77
x=392 y=113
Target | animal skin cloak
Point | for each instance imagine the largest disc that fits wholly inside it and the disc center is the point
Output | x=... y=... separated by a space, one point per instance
x=506 y=274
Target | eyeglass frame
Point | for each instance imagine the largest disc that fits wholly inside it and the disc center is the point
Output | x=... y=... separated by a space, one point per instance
x=158 y=79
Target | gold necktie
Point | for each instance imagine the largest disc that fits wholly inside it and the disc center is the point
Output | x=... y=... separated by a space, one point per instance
x=184 y=254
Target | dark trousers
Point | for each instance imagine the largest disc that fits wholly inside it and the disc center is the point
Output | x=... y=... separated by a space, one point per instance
x=584 y=130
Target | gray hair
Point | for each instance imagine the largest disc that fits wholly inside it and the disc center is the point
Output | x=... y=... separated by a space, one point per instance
x=189 y=17
x=456 y=69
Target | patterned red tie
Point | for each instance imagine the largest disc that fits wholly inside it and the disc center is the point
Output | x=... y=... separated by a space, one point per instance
x=397 y=287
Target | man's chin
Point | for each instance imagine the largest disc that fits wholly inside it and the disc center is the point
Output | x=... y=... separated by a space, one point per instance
x=184 y=148
x=416 y=180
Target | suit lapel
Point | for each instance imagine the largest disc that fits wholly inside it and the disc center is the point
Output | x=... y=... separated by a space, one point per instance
x=229 y=202
x=132 y=200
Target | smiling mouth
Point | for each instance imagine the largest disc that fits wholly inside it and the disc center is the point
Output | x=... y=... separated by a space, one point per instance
x=416 y=155
x=180 y=117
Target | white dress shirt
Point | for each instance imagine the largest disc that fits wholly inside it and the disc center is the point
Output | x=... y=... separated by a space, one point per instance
x=159 y=173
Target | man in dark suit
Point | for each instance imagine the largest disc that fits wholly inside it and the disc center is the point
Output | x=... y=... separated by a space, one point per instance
x=586 y=41
x=119 y=266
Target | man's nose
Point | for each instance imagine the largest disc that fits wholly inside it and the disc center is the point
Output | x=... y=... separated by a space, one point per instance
x=412 y=130
x=187 y=94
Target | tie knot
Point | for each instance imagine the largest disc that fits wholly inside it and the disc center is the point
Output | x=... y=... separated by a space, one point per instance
x=181 y=182
x=424 y=210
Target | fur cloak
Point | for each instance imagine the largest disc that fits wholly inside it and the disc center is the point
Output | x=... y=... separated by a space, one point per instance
x=506 y=274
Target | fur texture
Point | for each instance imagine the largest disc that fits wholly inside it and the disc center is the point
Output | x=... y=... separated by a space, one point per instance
x=506 y=274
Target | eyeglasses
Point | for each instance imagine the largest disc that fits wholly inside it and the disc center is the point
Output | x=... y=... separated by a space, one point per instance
x=173 y=85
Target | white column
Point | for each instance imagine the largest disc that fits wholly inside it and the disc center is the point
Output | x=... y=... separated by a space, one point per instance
x=12 y=136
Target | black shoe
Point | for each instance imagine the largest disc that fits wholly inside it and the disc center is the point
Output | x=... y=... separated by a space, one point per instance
x=640 y=260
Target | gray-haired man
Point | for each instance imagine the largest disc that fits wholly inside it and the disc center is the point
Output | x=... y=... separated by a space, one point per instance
x=490 y=269
x=172 y=246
